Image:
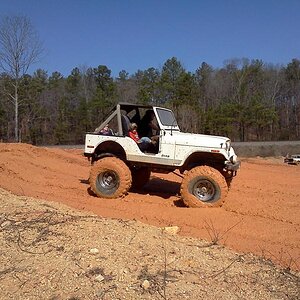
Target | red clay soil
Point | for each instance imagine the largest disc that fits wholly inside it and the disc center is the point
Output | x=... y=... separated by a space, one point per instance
x=260 y=214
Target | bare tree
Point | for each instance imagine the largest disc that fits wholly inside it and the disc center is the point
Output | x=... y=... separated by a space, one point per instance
x=20 y=47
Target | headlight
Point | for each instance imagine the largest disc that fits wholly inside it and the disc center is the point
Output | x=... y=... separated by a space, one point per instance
x=227 y=145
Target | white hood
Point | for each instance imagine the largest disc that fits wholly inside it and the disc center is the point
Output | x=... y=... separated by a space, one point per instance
x=199 y=140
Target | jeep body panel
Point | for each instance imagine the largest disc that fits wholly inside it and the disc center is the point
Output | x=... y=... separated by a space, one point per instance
x=174 y=148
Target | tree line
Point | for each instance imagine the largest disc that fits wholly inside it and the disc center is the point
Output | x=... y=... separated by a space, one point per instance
x=246 y=100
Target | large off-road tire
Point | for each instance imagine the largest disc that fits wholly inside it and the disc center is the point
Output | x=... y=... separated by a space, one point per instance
x=203 y=186
x=110 y=178
x=140 y=176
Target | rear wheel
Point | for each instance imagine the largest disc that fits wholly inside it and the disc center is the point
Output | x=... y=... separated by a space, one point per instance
x=110 y=178
x=140 y=177
x=204 y=186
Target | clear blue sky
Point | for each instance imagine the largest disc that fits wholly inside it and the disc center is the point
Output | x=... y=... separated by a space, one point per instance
x=138 y=34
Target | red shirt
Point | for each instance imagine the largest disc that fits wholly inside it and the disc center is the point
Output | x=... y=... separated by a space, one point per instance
x=134 y=135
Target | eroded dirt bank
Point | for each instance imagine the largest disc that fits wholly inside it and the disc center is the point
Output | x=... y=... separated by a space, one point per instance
x=51 y=251
x=261 y=214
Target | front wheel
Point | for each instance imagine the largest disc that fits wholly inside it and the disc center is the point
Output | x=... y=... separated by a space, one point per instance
x=110 y=178
x=204 y=186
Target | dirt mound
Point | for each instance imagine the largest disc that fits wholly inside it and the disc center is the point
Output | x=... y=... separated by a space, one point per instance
x=50 y=251
x=260 y=215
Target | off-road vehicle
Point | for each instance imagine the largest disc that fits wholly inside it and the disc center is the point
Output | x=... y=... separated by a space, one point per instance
x=207 y=163
x=292 y=159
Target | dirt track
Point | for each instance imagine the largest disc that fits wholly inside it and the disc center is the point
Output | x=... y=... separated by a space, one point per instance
x=260 y=215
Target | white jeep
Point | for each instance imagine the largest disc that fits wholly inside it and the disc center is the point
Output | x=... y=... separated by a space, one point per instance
x=207 y=163
x=292 y=159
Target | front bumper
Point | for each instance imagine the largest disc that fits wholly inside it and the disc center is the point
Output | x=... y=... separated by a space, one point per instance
x=232 y=166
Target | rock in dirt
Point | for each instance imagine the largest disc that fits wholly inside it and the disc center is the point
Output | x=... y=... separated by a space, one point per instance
x=172 y=229
x=146 y=284
x=94 y=251
x=99 y=278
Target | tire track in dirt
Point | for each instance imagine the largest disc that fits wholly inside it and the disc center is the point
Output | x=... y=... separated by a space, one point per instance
x=260 y=215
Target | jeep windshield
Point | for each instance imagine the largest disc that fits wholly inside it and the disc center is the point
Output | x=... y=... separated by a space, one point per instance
x=166 y=117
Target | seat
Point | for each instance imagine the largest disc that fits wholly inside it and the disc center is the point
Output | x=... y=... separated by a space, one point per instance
x=125 y=124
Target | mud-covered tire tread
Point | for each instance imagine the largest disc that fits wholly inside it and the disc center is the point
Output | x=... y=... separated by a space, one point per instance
x=210 y=173
x=140 y=177
x=116 y=165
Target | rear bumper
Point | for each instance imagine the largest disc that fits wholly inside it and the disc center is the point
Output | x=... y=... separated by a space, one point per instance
x=291 y=161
